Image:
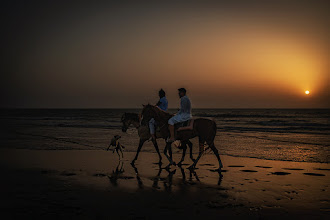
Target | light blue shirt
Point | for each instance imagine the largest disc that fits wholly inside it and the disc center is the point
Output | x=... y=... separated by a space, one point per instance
x=163 y=104
x=185 y=107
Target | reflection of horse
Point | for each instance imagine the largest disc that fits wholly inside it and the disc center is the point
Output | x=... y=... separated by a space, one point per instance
x=132 y=118
x=204 y=129
x=140 y=183
x=167 y=181
x=192 y=173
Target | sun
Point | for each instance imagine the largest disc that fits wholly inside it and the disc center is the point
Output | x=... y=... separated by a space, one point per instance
x=307 y=92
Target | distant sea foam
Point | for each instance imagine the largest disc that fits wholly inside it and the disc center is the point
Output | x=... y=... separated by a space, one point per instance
x=275 y=134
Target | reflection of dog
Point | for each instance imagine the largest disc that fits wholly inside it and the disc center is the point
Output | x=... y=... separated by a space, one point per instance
x=116 y=173
x=118 y=147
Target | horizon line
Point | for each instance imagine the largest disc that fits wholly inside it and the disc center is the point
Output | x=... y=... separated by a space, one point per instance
x=117 y=108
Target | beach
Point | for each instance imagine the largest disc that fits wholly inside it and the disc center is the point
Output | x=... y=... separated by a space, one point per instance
x=96 y=96
x=54 y=164
x=94 y=184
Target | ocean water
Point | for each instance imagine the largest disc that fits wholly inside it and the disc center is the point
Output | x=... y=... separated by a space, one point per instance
x=274 y=134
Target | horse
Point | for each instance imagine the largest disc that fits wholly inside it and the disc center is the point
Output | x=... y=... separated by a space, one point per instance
x=204 y=129
x=143 y=131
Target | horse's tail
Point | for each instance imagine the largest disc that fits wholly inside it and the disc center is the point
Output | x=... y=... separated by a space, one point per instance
x=215 y=127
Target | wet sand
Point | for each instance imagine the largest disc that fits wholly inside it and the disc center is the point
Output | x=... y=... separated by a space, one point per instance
x=94 y=184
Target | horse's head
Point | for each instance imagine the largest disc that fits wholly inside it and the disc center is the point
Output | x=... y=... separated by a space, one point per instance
x=129 y=118
x=148 y=112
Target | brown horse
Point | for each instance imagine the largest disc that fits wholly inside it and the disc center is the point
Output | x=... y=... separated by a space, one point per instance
x=132 y=118
x=204 y=129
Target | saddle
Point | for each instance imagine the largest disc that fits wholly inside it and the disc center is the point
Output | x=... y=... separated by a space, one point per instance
x=182 y=126
x=186 y=125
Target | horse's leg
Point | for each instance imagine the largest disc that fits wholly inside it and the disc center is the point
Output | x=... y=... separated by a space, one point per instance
x=191 y=149
x=201 y=151
x=184 y=145
x=215 y=151
x=170 y=152
x=154 y=141
x=165 y=151
x=138 y=150
x=168 y=148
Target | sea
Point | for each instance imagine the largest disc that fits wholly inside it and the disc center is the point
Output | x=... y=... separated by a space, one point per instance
x=272 y=134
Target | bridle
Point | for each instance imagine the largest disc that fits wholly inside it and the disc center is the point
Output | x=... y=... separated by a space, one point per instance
x=128 y=121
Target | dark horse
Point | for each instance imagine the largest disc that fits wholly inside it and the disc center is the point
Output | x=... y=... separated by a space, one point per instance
x=132 y=118
x=204 y=129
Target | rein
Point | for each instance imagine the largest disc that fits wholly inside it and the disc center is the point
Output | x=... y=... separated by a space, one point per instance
x=158 y=115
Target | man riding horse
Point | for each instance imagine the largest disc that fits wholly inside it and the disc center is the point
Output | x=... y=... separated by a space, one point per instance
x=184 y=113
x=204 y=129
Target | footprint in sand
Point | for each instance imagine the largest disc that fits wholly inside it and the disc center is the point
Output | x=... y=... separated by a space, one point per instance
x=99 y=174
x=280 y=173
x=264 y=167
x=236 y=166
x=314 y=174
x=292 y=169
x=48 y=171
x=68 y=174
x=249 y=171
x=216 y=170
x=322 y=169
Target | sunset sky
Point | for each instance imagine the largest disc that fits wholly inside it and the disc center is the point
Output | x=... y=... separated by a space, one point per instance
x=242 y=54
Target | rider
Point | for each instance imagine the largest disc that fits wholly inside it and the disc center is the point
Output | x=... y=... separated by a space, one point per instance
x=184 y=113
x=162 y=104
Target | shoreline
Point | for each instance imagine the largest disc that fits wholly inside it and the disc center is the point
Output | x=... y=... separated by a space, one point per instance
x=152 y=151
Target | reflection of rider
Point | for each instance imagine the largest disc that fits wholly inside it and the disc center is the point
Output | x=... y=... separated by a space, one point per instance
x=184 y=113
x=162 y=104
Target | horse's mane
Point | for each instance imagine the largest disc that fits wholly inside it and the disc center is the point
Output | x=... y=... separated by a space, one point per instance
x=162 y=114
